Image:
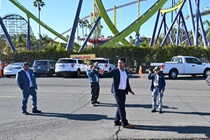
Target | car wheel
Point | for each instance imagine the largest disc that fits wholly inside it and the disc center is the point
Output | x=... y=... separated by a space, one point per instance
x=206 y=73
x=78 y=73
x=173 y=74
x=50 y=73
x=8 y=76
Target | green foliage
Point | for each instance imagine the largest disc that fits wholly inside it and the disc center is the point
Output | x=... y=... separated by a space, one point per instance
x=60 y=48
x=143 y=55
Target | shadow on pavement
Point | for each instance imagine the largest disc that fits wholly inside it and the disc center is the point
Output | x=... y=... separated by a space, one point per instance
x=179 y=129
x=187 y=78
x=133 y=105
x=190 y=113
x=79 y=117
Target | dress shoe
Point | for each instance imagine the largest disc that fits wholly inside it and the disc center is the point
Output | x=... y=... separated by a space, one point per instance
x=36 y=111
x=129 y=126
x=97 y=102
x=154 y=110
x=117 y=124
x=92 y=104
x=160 y=111
x=25 y=113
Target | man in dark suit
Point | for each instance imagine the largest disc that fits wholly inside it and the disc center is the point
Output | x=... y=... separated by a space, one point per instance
x=120 y=87
x=26 y=80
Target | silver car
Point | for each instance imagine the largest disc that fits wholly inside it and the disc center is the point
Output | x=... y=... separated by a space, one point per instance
x=12 y=69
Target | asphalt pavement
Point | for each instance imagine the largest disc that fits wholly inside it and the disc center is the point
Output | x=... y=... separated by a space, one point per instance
x=68 y=115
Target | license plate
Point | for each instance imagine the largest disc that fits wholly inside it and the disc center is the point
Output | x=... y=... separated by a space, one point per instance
x=62 y=66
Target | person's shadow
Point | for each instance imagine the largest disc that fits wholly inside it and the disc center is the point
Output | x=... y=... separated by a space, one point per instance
x=179 y=129
x=79 y=117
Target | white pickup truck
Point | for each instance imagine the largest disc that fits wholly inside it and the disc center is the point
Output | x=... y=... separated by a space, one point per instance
x=184 y=65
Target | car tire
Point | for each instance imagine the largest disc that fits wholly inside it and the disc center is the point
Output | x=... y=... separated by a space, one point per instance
x=8 y=76
x=173 y=74
x=50 y=73
x=206 y=73
x=78 y=73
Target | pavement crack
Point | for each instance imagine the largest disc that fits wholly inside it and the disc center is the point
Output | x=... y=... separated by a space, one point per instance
x=117 y=133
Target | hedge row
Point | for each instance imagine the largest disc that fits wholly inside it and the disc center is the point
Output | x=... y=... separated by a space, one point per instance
x=142 y=55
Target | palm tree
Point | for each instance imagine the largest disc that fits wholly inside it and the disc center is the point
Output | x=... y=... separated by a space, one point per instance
x=89 y=27
x=39 y=4
x=86 y=23
x=101 y=27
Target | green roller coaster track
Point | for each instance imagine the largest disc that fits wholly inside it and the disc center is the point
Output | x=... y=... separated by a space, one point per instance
x=174 y=7
x=108 y=21
x=135 y=26
x=30 y=15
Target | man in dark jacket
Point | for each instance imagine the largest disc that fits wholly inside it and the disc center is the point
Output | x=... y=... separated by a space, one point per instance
x=157 y=87
x=26 y=81
x=120 y=87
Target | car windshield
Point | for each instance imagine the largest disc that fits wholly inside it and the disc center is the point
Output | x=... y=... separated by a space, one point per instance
x=38 y=63
x=14 y=64
x=66 y=61
x=99 y=61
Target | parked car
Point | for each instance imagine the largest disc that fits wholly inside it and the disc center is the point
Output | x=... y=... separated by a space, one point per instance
x=70 y=66
x=104 y=64
x=12 y=69
x=44 y=67
x=184 y=65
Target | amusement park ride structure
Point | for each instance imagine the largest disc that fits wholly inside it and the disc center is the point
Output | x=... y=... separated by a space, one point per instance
x=100 y=13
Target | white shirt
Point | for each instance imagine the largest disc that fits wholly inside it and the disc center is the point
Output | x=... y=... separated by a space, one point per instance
x=156 y=80
x=29 y=77
x=123 y=80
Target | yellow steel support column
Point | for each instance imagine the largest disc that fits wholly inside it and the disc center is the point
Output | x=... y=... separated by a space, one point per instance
x=115 y=16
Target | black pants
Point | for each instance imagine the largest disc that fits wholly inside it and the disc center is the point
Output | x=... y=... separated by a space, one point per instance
x=120 y=98
x=95 y=88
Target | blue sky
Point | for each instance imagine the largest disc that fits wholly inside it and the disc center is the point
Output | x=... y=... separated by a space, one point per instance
x=59 y=15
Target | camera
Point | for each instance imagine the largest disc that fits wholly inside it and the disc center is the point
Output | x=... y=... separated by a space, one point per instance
x=96 y=66
x=151 y=70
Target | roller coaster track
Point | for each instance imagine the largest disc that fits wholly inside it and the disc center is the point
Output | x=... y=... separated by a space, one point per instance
x=108 y=10
x=135 y=26
x=170 y=9
x=204 y=13
x=30 y=15
x=108 y=21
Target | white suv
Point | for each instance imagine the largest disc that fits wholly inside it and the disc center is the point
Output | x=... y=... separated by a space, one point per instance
x=103 y=63
x=69 y=66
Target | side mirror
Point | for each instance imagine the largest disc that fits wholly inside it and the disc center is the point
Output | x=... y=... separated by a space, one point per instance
x=199 y=63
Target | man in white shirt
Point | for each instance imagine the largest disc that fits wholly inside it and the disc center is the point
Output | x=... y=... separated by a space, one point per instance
x=26 y=81
x=120 y=87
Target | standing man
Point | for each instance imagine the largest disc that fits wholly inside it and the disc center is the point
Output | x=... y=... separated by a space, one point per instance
x=120 y=87
x=93 y=75
x=26 y=80
x=157 y=87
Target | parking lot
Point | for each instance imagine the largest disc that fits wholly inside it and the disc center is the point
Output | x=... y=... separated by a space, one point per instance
x=67 y=114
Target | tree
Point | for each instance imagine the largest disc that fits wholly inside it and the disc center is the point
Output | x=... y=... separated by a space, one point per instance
x=38 y=4
x=86 y=23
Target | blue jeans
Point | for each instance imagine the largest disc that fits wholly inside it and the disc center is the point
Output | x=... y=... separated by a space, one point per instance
x=156 y=93
x=25 y=96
